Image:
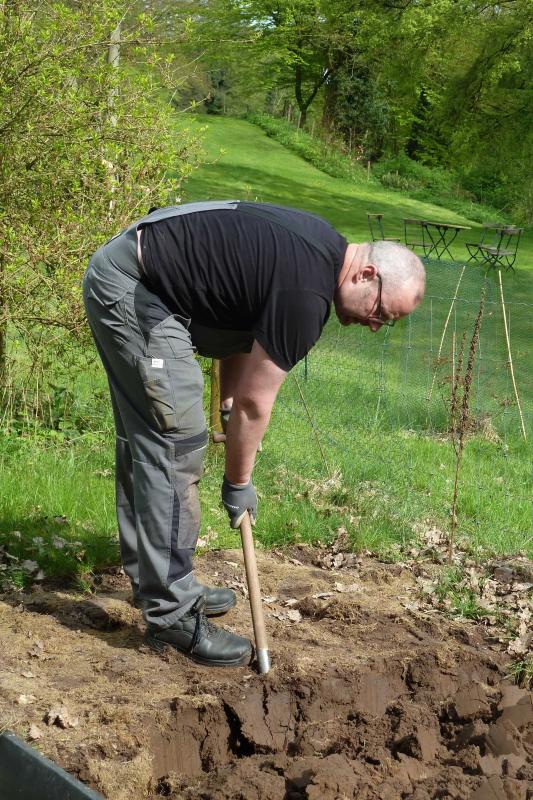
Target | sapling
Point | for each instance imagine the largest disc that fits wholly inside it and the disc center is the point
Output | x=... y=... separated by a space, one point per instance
x=459 y=411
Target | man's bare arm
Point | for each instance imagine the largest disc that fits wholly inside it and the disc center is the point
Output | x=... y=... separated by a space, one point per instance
x=254 y=395
x=231 y=369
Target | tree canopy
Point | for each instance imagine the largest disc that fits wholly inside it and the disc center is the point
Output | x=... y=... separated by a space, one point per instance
x=85 y=147
x=448 y=82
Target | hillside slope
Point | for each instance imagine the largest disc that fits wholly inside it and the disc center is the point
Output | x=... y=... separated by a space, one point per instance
x=244 y=163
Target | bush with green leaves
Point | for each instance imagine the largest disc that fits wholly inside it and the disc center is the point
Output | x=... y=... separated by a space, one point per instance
x=86 y=147
x=433 y=184
x=326 y=156
x=415 y=174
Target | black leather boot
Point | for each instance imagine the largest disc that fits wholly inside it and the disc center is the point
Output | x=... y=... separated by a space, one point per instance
x=202 y=641
x=218 y=600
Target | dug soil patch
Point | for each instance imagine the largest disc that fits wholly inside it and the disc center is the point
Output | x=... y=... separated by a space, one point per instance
x=370 y=696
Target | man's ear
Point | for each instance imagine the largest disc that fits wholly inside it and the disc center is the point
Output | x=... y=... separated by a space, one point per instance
x=366 y=273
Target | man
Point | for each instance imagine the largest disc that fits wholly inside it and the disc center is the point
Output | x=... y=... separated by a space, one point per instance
x=250 y=283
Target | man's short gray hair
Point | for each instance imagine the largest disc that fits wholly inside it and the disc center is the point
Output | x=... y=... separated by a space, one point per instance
x=397 y=266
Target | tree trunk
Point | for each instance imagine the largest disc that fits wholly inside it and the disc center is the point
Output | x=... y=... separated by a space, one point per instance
x=113 y=58
x=330 y=103
x=298 y=88
x=304 y=103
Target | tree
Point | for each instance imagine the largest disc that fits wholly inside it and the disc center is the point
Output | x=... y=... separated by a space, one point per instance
x=73 y=170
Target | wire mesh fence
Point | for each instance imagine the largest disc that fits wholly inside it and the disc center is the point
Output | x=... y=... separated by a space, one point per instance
x=374 y=408
x=359 y=435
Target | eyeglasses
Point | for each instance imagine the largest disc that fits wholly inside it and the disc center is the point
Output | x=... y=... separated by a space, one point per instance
x=377 y=316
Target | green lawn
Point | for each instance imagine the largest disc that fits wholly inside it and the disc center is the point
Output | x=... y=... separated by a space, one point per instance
x=366 y=394
x=247 y=164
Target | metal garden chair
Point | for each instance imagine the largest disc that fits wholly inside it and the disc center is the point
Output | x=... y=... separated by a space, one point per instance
x=375 y=223
x=497 y=246
x=415 y=234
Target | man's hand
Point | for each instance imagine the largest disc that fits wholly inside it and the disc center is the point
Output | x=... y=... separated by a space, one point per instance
x=224 y=418
x=220 y=437
x=237 y=500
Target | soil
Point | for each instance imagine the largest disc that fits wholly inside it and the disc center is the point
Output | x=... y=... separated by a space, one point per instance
x=369 y=696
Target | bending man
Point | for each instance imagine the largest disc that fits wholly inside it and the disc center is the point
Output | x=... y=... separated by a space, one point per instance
x=249 y=283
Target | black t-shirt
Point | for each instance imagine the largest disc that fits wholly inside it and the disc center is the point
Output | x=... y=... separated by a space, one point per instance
x=260 y=268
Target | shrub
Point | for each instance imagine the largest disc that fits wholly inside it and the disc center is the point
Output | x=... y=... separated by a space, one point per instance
x=85 y=148
x=433 y=185
x=414 y=175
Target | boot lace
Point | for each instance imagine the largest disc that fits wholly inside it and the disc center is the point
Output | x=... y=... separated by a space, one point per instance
x=203 y=627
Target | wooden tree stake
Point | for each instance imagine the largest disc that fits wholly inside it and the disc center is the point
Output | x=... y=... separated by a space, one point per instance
x=214 y=414
x=444 y=333
x=511 y=358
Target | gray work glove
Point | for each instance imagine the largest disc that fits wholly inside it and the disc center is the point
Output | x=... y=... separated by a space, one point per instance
x=237 y=500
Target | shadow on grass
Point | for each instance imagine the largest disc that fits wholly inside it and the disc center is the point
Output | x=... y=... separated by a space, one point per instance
x=55 y=549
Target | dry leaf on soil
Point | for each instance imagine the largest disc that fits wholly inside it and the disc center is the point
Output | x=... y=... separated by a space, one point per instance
x=291 y=615
x=26 y=699
x=35 y=733
x=60 y=716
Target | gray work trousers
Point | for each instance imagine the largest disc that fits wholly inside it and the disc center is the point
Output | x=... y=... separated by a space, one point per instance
x=156 y=390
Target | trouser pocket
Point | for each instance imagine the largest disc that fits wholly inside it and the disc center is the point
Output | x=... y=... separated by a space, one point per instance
x=174 y=391
x=104 y=291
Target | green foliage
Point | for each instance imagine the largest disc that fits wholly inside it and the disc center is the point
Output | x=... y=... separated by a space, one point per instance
x=452 y=590
x=407 y=175
x=327 y=157
x=449 y=82
x=434 y=185
x=85 y=149
x=468 y=92
x=361 y=111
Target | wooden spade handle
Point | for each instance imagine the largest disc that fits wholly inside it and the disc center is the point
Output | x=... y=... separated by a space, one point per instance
x=254 y=593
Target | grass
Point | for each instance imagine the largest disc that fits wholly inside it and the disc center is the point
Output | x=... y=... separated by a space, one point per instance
x=254 y=167
x=521 y=672
x=376 y=391
x=57 y=505
x=409 y=177
x=462 y=600
x=366 y=394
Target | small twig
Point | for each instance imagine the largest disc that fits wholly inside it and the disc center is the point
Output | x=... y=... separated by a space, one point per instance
x=444 y=333
x=311 y=421
x=511 y=358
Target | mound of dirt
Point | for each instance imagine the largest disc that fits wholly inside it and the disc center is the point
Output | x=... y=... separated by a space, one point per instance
x=369 y=696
